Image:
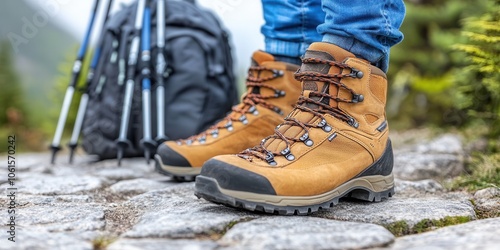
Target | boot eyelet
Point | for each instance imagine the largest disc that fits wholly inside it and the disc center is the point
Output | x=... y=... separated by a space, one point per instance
x=279 y=93
x=357 y=98
x=278 y=110
x=229 y=126
x=305 y=139
x=353 y=122
x=215 y=133
x=270 y=159
x=253 y=110
x=243 y=119
x=202 y=140
x=285 y=151
x=277 y=73
x=327 y=128
x=356 y=73
x=322 y=123
x=288 y=154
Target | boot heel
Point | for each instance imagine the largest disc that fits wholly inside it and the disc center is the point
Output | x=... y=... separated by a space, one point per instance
x=368 y=195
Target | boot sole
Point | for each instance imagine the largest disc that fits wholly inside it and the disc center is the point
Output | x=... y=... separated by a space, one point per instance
x=367 y=188
x=178 y=173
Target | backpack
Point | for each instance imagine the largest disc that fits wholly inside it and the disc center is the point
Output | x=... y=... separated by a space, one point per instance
x=199 y=87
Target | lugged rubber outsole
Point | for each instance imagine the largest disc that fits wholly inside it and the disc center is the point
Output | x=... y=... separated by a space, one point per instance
x=176 y=176
x=208 y=189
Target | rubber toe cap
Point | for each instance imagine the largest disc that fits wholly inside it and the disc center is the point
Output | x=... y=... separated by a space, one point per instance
x=170 y=157
x=235 y=178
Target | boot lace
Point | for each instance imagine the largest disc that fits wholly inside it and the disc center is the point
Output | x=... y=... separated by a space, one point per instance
x=334 y=80
x=248 y=105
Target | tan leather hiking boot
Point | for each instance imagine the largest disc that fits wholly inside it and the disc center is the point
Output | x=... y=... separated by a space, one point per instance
x=334 y=144
x=271 y=93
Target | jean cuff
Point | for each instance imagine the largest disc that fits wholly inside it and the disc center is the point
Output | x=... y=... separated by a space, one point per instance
x=285 y=48
x=361 y=50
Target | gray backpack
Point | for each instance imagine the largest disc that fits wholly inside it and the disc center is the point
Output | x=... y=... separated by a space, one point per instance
x=199 y=84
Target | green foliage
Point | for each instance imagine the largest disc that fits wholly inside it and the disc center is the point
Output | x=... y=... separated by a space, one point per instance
x=478 y=83
x=428 y=224
x=423 y=66
x=15 y=116
x=11 y=94
x=398 y=228
x=401 y=228
x=28 y=122
x=11 y=97
x=102 y=242
x=483 y=172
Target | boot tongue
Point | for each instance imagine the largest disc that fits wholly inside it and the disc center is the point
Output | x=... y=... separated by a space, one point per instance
x=260 y=57
x=323 y=51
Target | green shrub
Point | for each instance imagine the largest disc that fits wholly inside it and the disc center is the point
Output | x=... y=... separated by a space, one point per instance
x=478 y=83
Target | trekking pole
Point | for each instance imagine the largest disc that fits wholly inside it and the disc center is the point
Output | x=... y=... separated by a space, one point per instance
x=77 y=68
x=122 y=142
x=161 y=69
x=112 y=60
x=147 y=141
x=73 y=143
x=122 y=68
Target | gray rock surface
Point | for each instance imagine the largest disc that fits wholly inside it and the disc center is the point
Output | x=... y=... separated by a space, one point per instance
x=62 y=217
x=417 y=188
x=278 y=232
x=162 y=244
x=400 y=209
x=139 y=186
x=65 y=206
x=44 y=240
x=46 y=184
x=440 y=158
x=444 y=144
x=487 y=201
x=481 y=234
x=175 y=212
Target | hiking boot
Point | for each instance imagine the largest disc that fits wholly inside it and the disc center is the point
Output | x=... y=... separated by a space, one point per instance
x=333 y=144
x=271 y=93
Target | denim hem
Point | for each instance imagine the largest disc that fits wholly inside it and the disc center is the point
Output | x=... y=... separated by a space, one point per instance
x=285 y=48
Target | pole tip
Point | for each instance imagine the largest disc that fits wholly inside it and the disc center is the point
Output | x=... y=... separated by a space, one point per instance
x=147 y=155
x=72 y=148
x=119 y=156
x=54 y=149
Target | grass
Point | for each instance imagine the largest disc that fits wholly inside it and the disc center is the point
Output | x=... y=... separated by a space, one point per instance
x=401 y=228
x=483 y=171
x=101 y=243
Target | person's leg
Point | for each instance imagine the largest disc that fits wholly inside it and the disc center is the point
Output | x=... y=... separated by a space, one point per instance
x=290 y=27
x=368 y=29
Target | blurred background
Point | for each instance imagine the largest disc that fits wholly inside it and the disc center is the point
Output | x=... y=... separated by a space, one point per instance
x=444 y=76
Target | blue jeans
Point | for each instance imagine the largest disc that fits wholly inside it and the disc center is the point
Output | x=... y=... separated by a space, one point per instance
x=366 y=28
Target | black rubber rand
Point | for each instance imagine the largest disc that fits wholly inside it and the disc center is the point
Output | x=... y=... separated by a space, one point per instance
x=208 y=188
